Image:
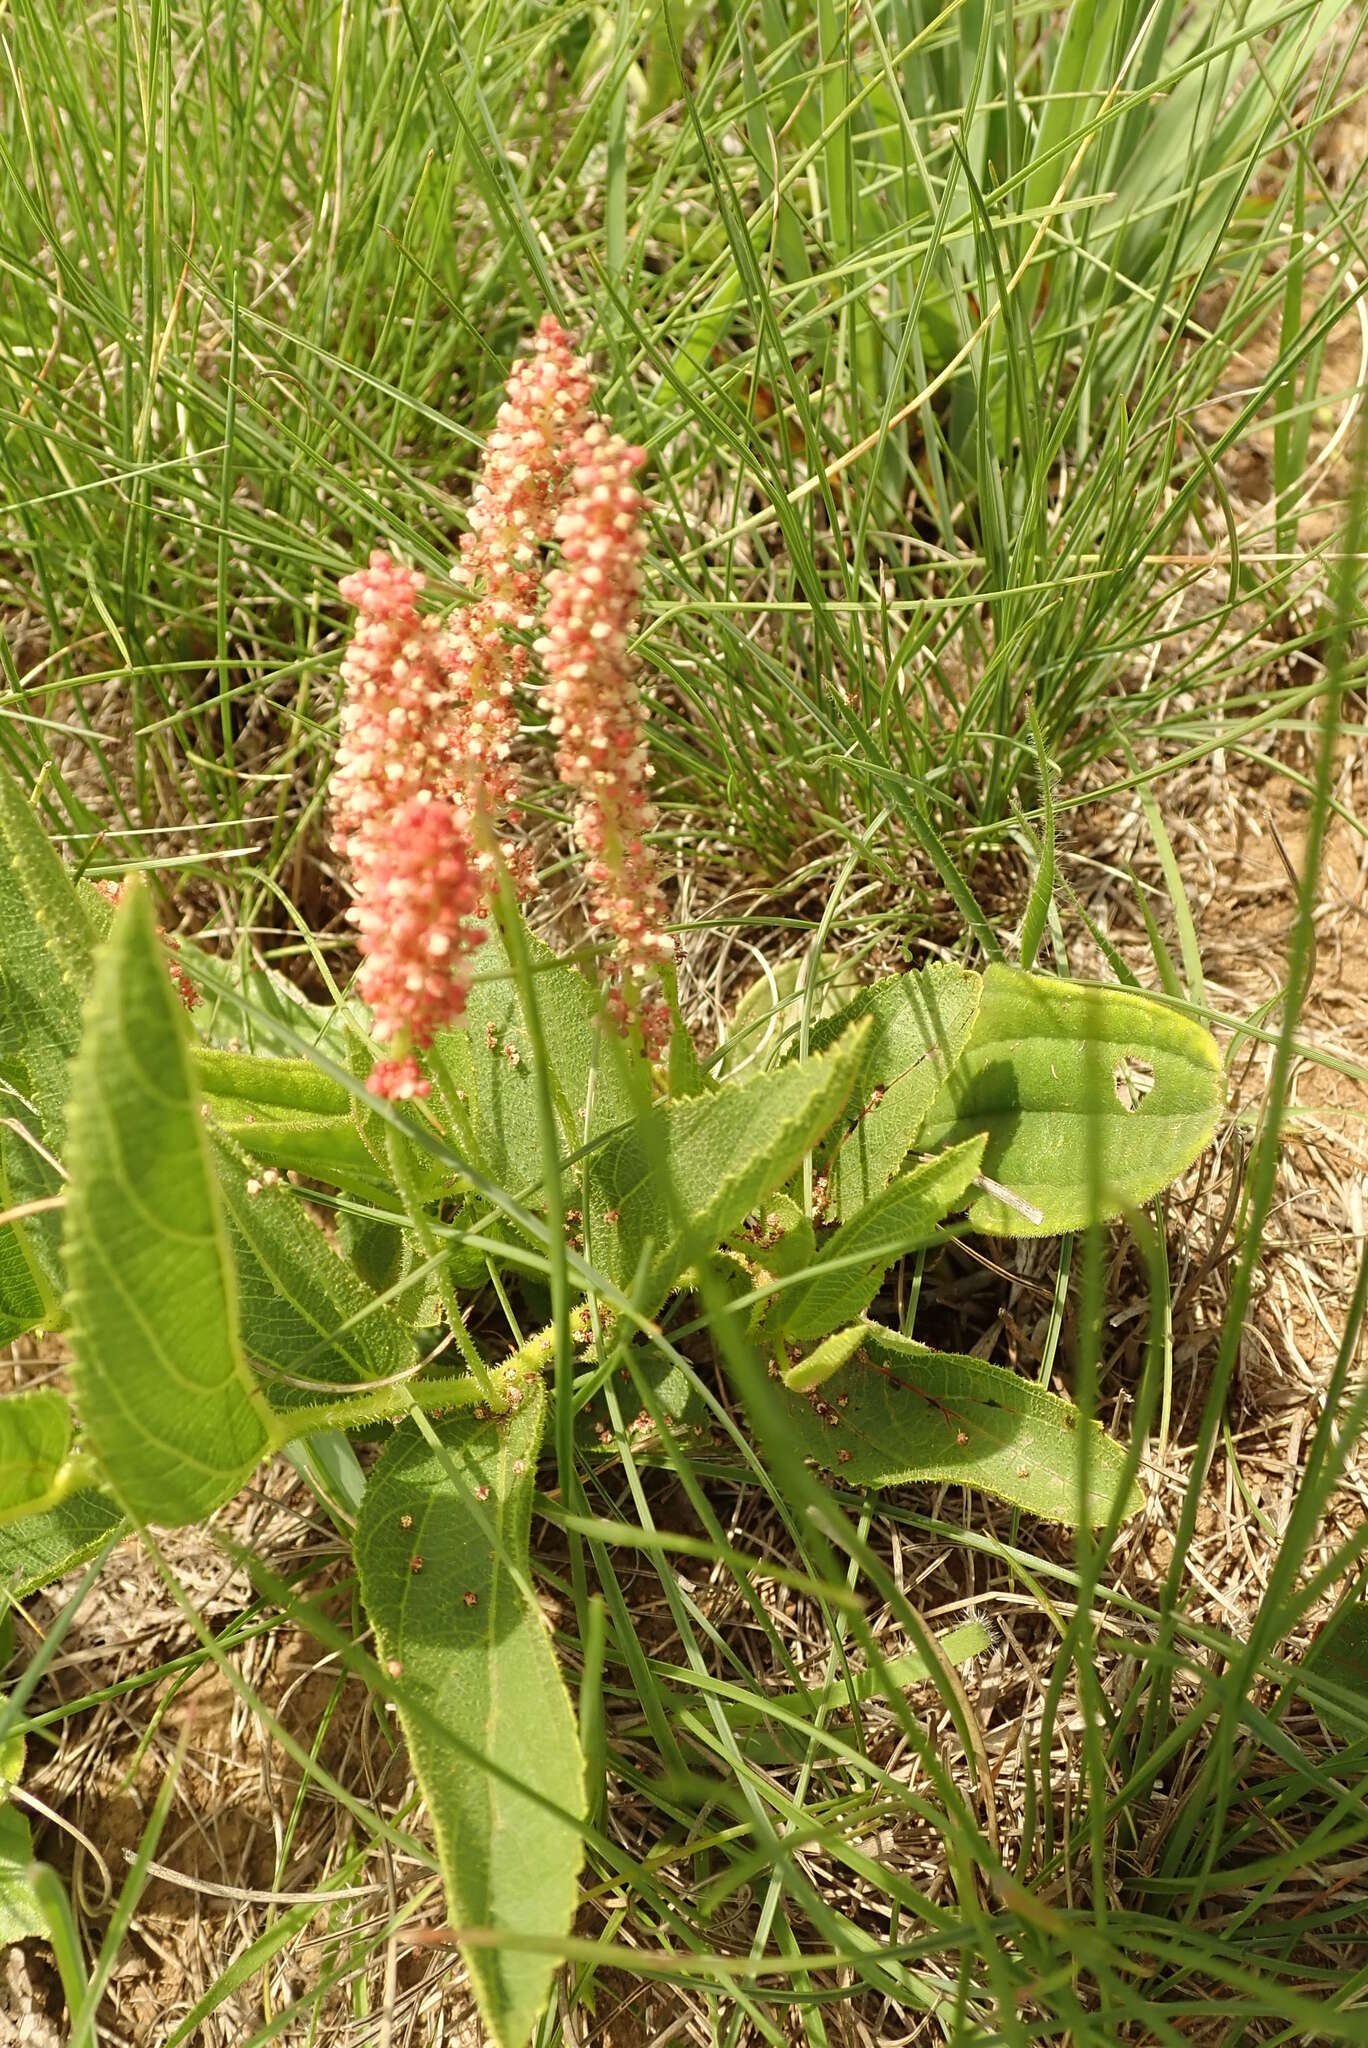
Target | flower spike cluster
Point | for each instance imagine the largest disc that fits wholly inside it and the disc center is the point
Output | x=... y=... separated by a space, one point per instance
x=426 y=781
x=396 y=739
x=597 y=718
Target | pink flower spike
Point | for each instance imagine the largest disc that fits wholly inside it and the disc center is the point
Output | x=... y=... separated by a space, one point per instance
x=597 y=718
x=521 y=483
x=396 y=740
x=527 y=461
x=417 y=935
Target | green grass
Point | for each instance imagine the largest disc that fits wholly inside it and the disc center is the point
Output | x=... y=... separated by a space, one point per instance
x=945 y=330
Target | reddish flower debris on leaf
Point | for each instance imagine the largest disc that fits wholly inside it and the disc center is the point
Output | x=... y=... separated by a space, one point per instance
x=180 y=980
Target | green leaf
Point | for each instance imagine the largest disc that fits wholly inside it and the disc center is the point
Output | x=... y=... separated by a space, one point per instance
x=676 y=1398
x=846 y=1276
x=1045 y=1072
x=168 y=1402
x=35 y=1437
x=30 y=1282
x=47 y=1546
x=830 y=1355
x=771 y=1010
x=391 y=1142
x=285 y=1113
x=480 y=1698
x=386 y=1256
x=919 y=1024
x=304 y=1313
x=21 y=1917
x=264 y=989
x=591 y=1065
x=29 y=856
x=255 y=1083
x=680 y=1179
x=44 y=971
x=785 y=1246
x=900 y=1413
x=326 y=1148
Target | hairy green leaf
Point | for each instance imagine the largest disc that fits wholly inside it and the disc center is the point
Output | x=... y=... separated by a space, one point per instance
x=826 y=1359
x=918 y=1027
x=285 y=1113
x=442 y=1551
x=169 y=1404
x=20 y=1914
x=35 y=1437
x=30 y=1257
x=29 y=855
x=771 y=1009
x=46 y=1546
x=593 y=1070
x=255 y=1083
x=899 y=1413
x=392 y=1142
x=305 y=1315
x=391 y=1261
x=44 y=971
x=677 y=1181
x=846 y=1275
x=1092 y=1098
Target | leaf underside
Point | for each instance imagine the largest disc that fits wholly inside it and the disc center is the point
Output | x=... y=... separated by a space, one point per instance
x=305 y=1314
x=44 y=971
x=21 y=1916
x=46 y=1546
x=35 y=1435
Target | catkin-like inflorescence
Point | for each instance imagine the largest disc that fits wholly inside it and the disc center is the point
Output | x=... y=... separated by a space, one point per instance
x=396 y=740
x=425 y=780
x=395 y=820
x=418 y=921
x=597 y=718
x=522 y=479
x=527 y=461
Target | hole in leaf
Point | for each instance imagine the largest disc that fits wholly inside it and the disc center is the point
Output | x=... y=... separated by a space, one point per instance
x=1133 y=1079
